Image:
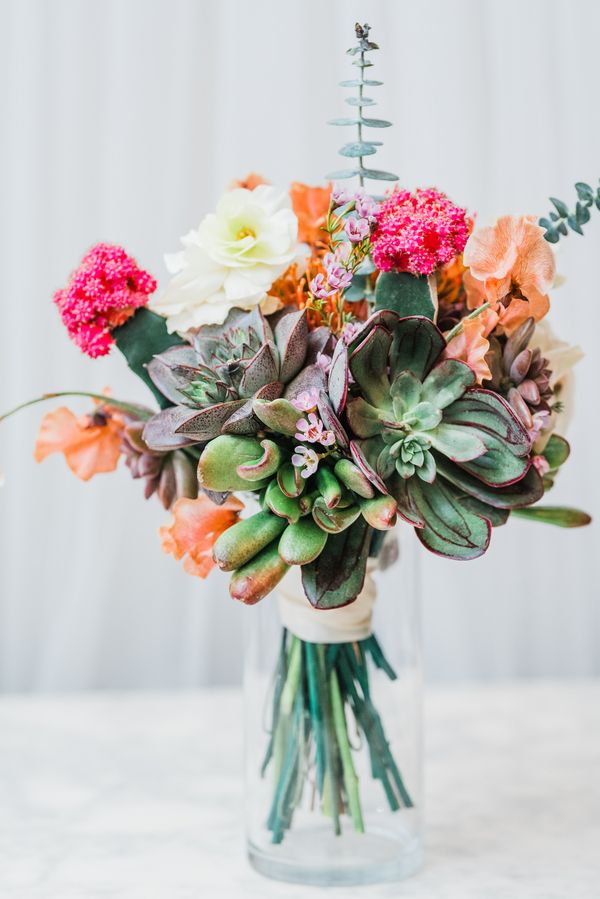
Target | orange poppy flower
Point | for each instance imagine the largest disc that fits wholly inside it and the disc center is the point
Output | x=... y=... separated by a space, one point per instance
x=310 y=205
x=470 y=345
x=194 y=528
x=511 y=263
x=90 y=444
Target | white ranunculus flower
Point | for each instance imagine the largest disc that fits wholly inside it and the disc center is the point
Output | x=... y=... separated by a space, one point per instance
x=232 y=259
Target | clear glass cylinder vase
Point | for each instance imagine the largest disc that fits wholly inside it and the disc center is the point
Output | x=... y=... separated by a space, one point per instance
x=333 y=739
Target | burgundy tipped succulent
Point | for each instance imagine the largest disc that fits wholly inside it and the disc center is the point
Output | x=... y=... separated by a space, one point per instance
x=170 y=474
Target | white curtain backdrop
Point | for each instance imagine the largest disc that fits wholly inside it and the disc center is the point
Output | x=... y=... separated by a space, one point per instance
x=123 y=121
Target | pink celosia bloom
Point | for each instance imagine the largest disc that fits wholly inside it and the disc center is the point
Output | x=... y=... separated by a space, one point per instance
x=306 y=459
x=418 y=232
x=307 y=400
x=541 y=464
x=102 y=294
x=319 y=287
x=312 y=431
x=357 y=229
x=366 y=207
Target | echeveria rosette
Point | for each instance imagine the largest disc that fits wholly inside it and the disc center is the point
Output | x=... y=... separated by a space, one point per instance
x=214 y=382
x=455 y=457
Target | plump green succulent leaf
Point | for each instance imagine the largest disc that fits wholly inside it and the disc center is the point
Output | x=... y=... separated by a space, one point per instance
x=451 y=529
x=405 y=392
x=457 y=443
x=255 y=580
x=328 y=486
x=368 y=364
x=556 y=452
x=290 y=480
x=407 y=294
x=446 y=383
x=486 y=411
x=499 y=466
x=496 y=517
x=416 y=347
x=218 y=464
x=291 y=338
x=243 y=540
x=302 y=542
x=160 y=432
x=286 y=507
x=142 y=337
x=562 y=517
x=352 y=477
x=263 y=467
x=333 y=520
x=278 y=415
x=337 y=576
x=337 y=382
x=529 y=489
x=406 y=506
x=380 y=512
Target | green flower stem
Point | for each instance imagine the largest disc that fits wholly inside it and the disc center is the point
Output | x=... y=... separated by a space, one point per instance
x=316 y=712
x=458 y=328
x=332 y=806
x=349 y=772
x=141 y=411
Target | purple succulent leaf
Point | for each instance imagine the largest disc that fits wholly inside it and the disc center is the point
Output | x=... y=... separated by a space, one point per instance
x=385 y=318
x=242 y=421
x=529 y=391
x=332 y=422
x=262 y=369
x=207 y=423
x=167 y=486
x=517 y=342
x=320 y=340
x=337 y=384
x=173 y=370
x=312 y=376
x=520 y=366
x=291 y=339
x=161 y=431
x=357 y=451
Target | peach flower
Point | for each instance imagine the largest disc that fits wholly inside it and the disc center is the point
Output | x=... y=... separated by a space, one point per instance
x=310 y=205
x=249 y=182
x=511 y=263
x=194 y=528
x=470 y=345
x=90 y=444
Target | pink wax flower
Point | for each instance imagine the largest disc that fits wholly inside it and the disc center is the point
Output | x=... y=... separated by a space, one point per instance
x=350 y=330
x=102 y=294
x=319 y=287
x=307 y=400
x=306 y=459
x=418 y=232
x=338 y=275
x=357 y=229
x=324 y=362
x=541 y=464
x=340 y=195
x=366 y=207
x=311 y=430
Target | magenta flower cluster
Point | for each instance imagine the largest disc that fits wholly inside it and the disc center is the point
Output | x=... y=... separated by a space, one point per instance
x=418 y=232
x=102 y=294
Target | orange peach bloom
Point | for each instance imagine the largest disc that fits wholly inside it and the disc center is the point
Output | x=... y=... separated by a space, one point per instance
x=310 y=205
x=249 y=182
x=90 y=444
x=471 y=346
x=511 y=263
x=194 y=528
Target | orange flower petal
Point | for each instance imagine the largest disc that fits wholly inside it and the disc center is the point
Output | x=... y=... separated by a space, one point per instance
x=194 y=528
x=471 y=345
x=88 y=449
x=310 y=205
x=249 y=182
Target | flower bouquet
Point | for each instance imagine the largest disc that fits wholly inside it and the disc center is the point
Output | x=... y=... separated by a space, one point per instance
x=344 y=361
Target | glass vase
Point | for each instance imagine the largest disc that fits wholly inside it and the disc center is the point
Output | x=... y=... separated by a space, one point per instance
x=333 y=734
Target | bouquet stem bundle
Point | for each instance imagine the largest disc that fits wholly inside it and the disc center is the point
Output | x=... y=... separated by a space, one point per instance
x=321 y=700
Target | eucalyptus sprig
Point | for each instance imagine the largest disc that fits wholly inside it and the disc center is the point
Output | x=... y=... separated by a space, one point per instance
x=561 y=219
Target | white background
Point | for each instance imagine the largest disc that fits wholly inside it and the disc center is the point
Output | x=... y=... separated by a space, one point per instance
x=123 y=121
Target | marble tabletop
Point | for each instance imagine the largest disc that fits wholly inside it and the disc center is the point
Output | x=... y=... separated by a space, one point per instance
x=139 y=795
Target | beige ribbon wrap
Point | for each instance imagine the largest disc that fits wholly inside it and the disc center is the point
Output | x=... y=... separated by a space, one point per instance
x=345 y=625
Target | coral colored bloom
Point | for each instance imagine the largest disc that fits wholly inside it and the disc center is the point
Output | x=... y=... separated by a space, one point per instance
x=102 y=294
x=311 y=205
x=306 y=459
x=510 y=262
x=194 y=528
x=418 y=232
x=249 y=182
x=307 y=400
x=471 y=346
x=90 y=444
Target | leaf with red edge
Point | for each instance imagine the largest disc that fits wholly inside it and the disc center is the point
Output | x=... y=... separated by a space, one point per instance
x=337 y=383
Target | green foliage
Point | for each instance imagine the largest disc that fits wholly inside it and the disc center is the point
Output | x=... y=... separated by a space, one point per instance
x=561 y=516
x=142 y=337
x=406 y=294
x=560 y=219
